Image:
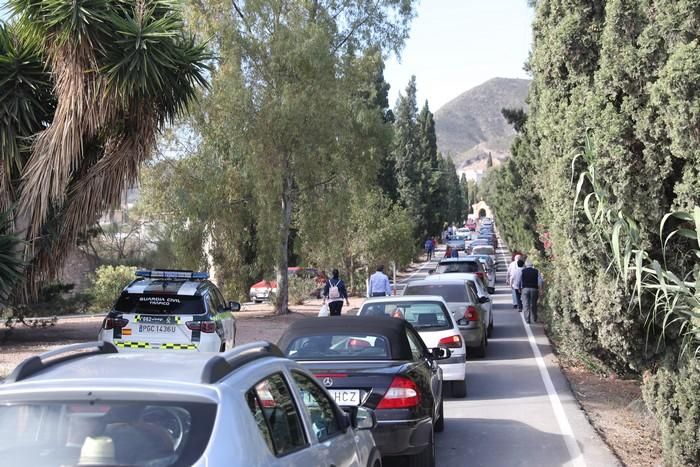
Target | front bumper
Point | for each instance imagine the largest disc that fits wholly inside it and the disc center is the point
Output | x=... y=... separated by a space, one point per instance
x=402 y=437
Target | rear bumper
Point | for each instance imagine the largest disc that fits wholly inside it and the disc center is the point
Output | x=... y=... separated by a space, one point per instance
x=454 y=368
x=402 y=437
x=472 y=336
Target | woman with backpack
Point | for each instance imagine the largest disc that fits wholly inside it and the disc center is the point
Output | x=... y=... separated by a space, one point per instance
x=335 y=293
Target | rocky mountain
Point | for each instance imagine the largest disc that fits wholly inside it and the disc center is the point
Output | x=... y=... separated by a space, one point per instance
x=471 y=125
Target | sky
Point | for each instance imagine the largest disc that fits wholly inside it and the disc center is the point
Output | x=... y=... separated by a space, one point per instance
x=455 y=45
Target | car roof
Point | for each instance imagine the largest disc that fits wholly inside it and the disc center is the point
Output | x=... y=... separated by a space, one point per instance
x=104 y=363
x=459 y=259
x=392 y=328
x=452 y=277
x=403 y=298
x=168 y=287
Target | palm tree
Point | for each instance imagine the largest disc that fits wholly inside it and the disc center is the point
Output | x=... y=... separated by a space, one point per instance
x=120 y=71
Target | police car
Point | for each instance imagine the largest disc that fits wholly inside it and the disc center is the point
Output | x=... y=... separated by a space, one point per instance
x=171 y=310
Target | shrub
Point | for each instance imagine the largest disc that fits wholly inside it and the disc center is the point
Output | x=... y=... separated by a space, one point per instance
x=108 y=284
x=300 y=289
x=673 y=396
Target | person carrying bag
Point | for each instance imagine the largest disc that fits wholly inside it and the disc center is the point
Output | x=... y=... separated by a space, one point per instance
x=335 y=293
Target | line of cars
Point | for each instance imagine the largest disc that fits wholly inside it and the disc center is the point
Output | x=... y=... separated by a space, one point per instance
x=343 y=391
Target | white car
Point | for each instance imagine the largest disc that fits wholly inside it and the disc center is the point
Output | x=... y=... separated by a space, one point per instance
x=478 y=288
x=168 y=310
x=431 y=317
x=484 y=250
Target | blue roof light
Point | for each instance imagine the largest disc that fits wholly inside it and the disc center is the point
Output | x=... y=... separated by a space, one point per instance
x=172 y=274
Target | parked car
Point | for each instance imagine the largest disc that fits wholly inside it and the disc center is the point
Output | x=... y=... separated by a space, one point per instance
x=431 y=317
x=464 y=304
x=380 y=363
x=464 y=233
x=490 y=268
x=263 y=290
x=456 y=243
x=90 y=404
x=478 y=288
x=171 y=310
x=484 y=250
x=468 y=263
x=471 y=224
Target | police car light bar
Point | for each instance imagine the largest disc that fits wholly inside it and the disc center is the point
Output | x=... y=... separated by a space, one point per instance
x=171 y=274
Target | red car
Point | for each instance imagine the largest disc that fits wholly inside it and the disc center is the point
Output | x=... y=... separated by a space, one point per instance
x=262 y=290
x=471 y=225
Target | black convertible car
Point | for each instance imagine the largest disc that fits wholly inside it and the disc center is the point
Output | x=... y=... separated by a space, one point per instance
x=380 y=363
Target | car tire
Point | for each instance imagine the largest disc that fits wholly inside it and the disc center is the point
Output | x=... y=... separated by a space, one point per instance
x=222 y=348
x=459 y=388
x=489 y=331
x=425 y=458
x=492 y=290
x=440 y=422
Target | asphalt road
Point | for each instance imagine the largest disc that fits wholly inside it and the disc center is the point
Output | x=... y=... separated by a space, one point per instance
x=519 y=409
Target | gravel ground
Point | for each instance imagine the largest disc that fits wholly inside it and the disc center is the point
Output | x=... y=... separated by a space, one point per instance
x=617 y=411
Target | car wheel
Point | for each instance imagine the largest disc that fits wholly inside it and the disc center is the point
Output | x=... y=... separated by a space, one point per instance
x=440 y=422
x=426 y=458
x=459 y=388
x=222 y=348
x=480 y=352
x=492 y=290
x=489 y=331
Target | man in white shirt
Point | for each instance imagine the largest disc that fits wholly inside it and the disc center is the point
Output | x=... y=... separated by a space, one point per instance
x=379 y=285
x=514 y=270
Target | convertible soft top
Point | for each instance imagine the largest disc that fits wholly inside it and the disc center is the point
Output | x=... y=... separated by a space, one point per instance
x=393 y=329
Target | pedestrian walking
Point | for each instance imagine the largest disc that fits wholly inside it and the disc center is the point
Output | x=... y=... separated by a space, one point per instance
x=335 y=293
x=429 y=248
x=514 y=270
x=379 y=285
x=448 y=252
x=531 y=284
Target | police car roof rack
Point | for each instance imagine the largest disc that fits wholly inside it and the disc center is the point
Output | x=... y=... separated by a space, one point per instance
x=181 y=274
x=221 y=365
x=37 y=363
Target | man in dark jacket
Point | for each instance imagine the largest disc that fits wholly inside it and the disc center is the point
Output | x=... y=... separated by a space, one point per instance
x=530 y=284
x=335 y=293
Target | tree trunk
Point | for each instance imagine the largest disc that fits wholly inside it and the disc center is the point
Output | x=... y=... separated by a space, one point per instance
x=282 y=300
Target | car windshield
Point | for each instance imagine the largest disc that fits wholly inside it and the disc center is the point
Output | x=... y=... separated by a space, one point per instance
x=160 y=304
x=451 y=293
x=424 y=316
x=483 y=250
x=457 y=266
x=339 y=347
x=116 y=433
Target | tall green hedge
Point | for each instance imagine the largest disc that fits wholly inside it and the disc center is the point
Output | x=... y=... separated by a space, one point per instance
x=625 y=73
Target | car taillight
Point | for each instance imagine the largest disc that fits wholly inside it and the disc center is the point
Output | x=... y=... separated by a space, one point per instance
x=114 y=323
x=452 y=342
x=402 y=393
x=471 y=313
x=480 y=274
x=203 y=326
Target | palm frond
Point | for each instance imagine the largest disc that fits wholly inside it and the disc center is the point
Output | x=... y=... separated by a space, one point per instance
x=11 y=263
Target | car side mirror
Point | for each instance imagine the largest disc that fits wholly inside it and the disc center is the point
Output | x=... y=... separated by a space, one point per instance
x=484 y=299
x=440 y=353
x=234 y=306
x=362 y=418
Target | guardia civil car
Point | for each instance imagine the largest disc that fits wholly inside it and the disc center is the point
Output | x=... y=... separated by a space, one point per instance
x=171 y=310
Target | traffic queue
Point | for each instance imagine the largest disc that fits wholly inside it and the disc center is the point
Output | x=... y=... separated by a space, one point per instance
x=165 y=384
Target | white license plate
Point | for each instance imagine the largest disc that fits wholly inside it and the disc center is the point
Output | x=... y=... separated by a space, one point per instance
x=346 y=396
x=157 y=328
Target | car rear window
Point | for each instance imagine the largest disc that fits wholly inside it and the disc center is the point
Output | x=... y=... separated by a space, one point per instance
x=160 y=304
x=482 y=250
x=424 y=316
x=104 y=433
x=457 y=266
x=340 y=347
x=451 y=293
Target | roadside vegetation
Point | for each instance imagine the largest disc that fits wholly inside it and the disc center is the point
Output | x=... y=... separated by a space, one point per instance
x=603 y=188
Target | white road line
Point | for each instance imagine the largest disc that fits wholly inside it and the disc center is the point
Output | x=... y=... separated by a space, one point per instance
x=577 y=458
